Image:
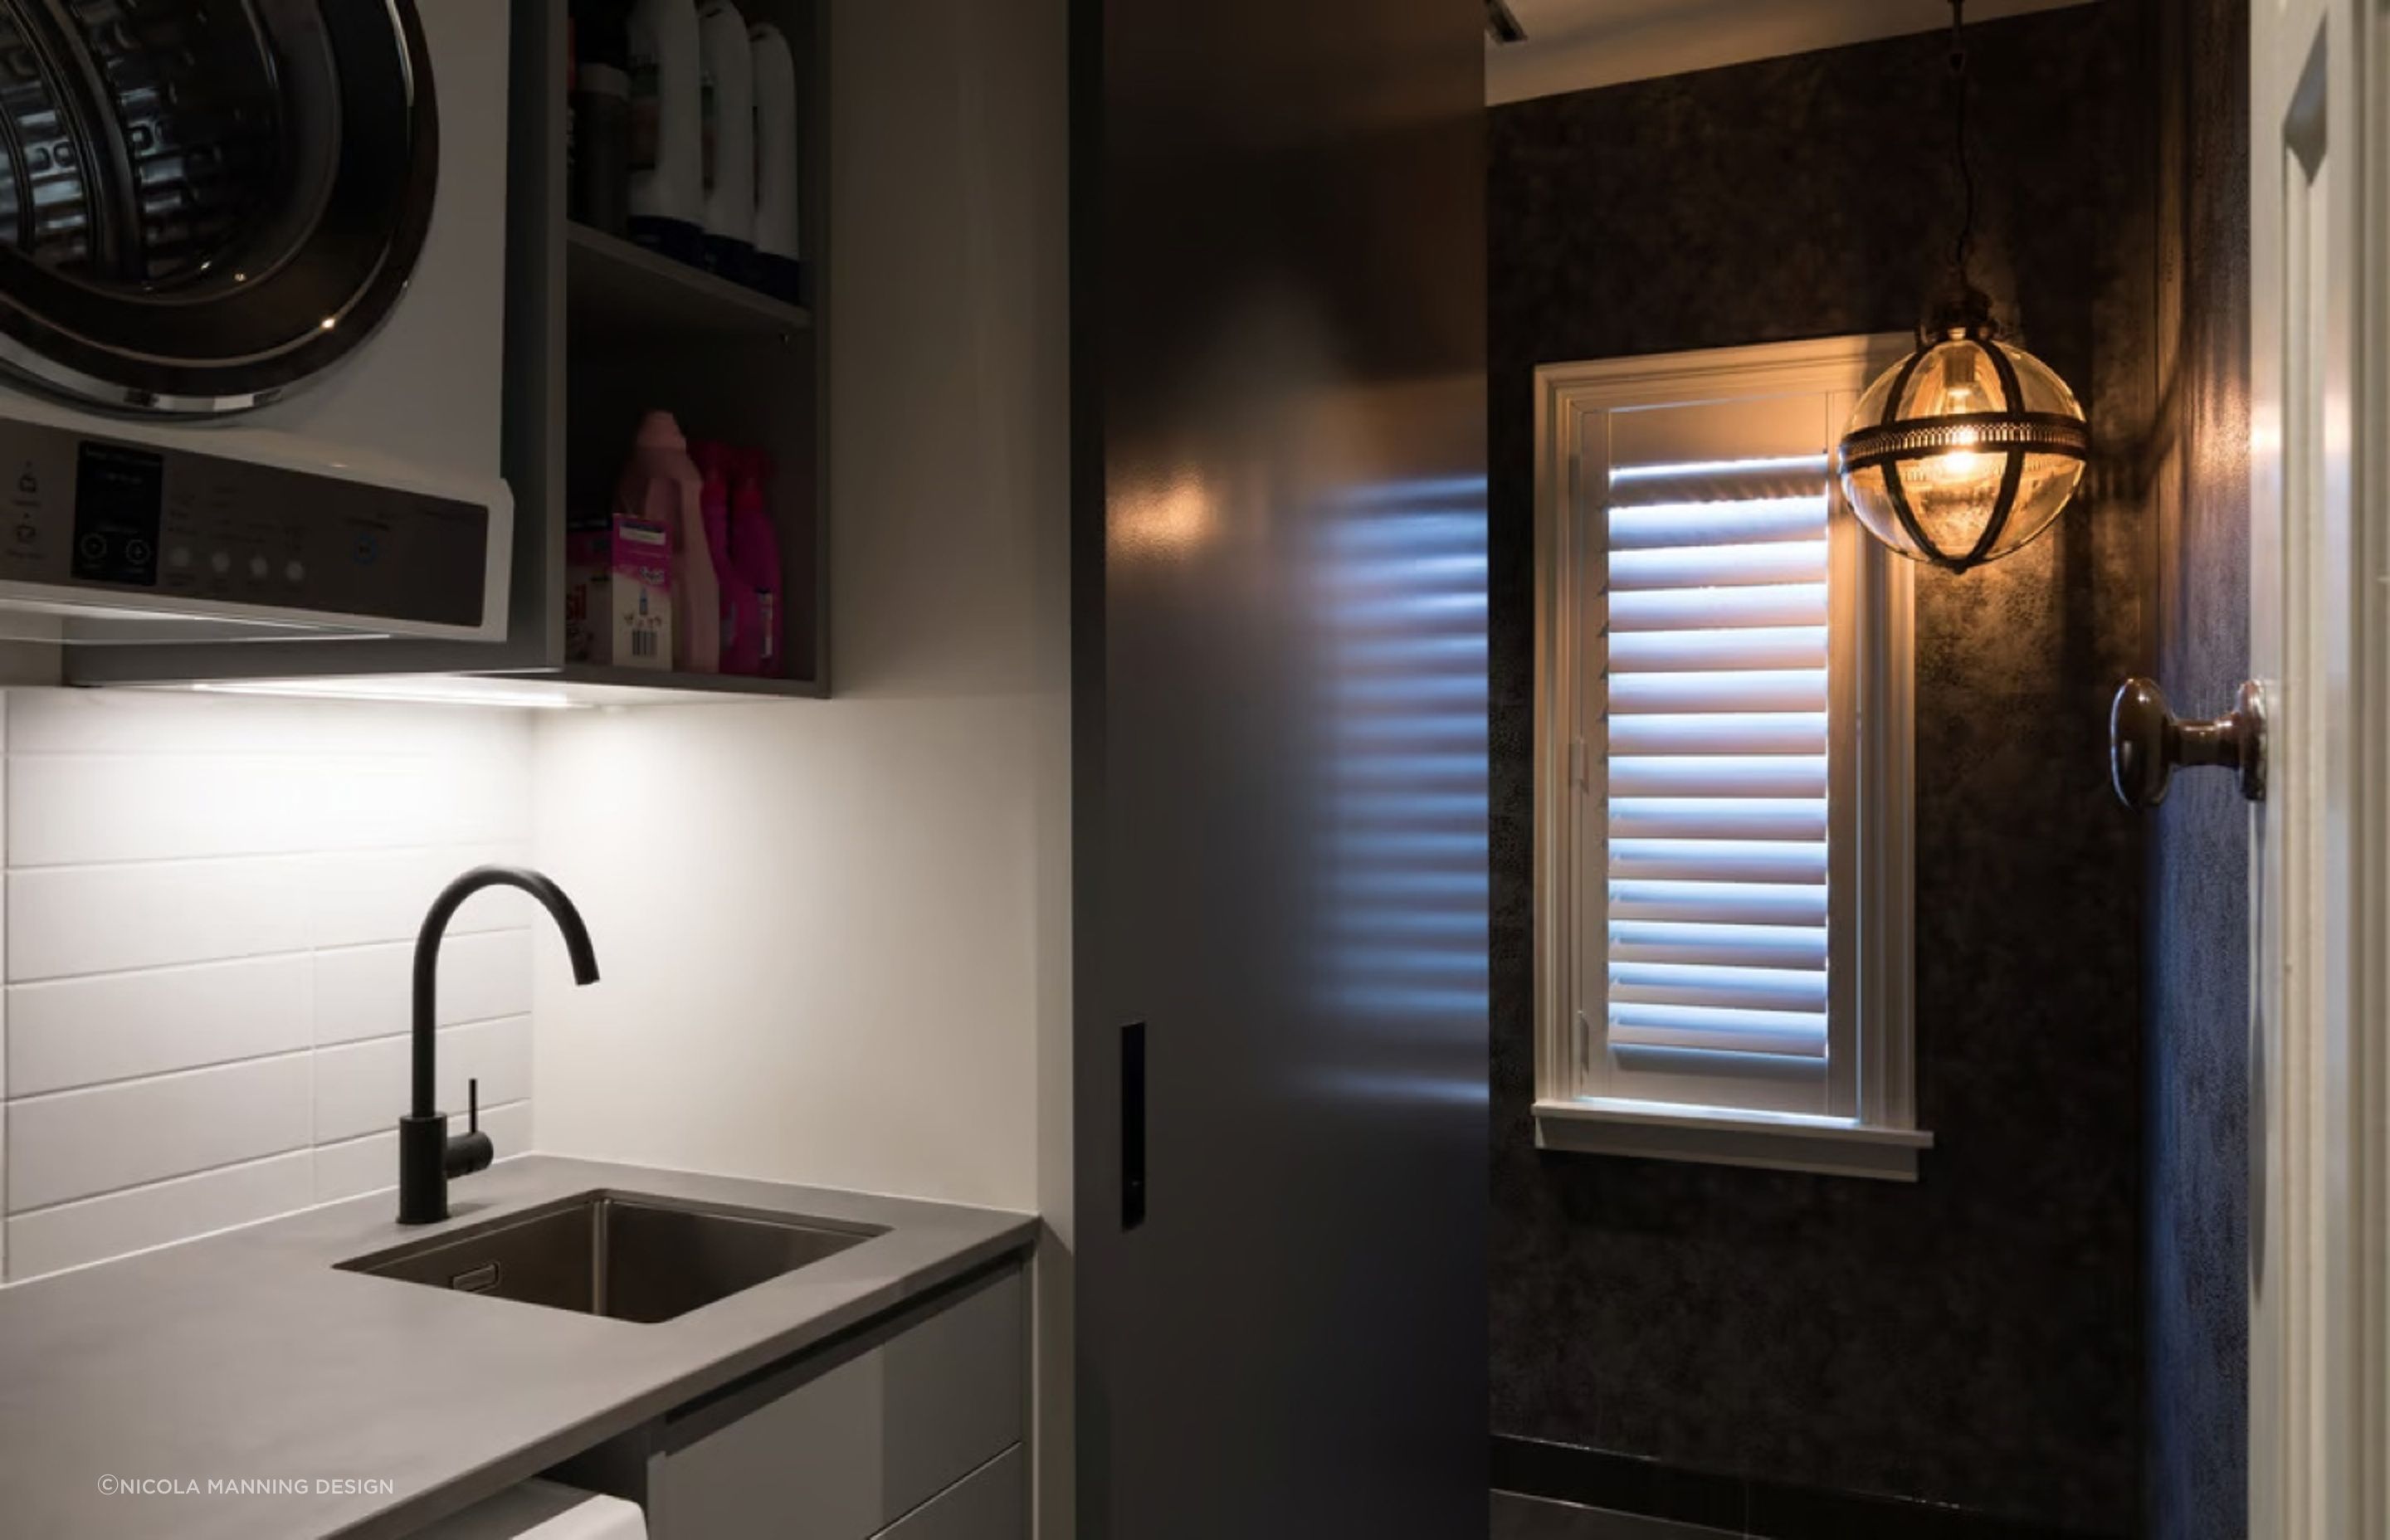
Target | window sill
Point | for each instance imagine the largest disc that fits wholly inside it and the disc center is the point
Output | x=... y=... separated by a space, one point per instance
x=1722 y=1136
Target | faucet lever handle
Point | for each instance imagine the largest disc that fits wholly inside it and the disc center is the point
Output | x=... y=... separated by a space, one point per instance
x=469 y=1152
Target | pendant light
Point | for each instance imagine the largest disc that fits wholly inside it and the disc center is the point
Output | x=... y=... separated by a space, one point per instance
x=1968 y=448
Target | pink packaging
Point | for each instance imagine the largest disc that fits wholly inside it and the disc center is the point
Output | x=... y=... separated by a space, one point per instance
x=755 y=557
x=741 y=617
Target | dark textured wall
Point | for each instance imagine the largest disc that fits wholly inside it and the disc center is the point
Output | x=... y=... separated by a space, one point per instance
x=1974 y=1339
x=2198 y=972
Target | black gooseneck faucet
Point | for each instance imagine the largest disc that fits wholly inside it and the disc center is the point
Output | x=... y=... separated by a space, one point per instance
x=427 y=1156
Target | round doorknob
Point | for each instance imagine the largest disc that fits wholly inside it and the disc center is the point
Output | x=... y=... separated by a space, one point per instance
x=2147 y=742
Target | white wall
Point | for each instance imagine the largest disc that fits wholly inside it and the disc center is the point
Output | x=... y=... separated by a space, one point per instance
x=210 y=906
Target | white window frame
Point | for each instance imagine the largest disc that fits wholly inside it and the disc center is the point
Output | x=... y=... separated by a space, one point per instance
x=1869 y=1129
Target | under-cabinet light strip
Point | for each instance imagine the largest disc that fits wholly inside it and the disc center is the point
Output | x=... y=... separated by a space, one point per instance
x=410 y=691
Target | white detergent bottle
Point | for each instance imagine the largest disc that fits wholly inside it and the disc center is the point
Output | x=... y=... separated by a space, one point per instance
x=777 y=178
x=729 y=88
x=667 y=130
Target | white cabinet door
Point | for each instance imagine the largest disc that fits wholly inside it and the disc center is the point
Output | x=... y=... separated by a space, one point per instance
x=991 y=1503
x=849 y=1447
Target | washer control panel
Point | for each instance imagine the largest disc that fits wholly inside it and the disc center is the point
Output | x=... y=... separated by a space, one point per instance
x=115 y=517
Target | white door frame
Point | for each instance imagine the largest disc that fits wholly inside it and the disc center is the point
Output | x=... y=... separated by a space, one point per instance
x=2319 y=640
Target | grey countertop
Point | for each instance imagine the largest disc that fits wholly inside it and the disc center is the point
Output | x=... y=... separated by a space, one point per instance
x=247 y=1356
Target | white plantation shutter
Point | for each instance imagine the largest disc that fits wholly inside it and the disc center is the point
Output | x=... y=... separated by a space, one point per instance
x=1722 y=793
x=1715 y=704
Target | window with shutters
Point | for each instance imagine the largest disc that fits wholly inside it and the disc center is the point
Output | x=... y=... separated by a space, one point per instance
x=1723 y=780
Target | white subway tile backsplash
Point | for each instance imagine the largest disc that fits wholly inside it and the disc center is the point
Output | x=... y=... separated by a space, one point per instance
x=356 y=1166
x=379 y=802
x=94 y=919
x=114 y=1026
x=362 y=992
x=210 y=910
x=76 y=1144
x=365 y=992
x=481 y=978
x=362 y=1087
x=81 y=809
x=93 y=1230
x=84 y=809
x=98 y=722
x=356 y=898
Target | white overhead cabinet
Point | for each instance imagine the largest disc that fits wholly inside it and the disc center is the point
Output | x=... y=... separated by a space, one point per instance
x=599 y=331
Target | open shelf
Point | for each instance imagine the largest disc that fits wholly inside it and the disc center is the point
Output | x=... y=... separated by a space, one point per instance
x=638 y=332
x=617 y=291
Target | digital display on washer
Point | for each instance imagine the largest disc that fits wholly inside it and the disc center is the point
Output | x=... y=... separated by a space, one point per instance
x=120 y=496
x=108 y=515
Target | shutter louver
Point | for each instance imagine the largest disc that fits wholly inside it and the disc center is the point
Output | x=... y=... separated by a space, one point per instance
x=1717 y=721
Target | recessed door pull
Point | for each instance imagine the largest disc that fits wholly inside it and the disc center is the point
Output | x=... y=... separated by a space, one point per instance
x=1132 y=1125
x=2147 y=742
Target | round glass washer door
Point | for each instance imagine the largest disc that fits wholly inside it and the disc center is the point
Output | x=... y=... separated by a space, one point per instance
x=204 y=203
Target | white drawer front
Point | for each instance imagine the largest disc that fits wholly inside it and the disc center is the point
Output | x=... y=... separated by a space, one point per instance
x=843 y=1455
x=991 y=1503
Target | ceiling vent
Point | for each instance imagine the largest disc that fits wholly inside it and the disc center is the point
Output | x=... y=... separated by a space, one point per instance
x=1502 y=27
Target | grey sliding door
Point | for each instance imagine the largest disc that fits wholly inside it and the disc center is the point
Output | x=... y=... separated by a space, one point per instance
x=1280 y=811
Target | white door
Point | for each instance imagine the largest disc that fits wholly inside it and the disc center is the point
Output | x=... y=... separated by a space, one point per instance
x=2320 y=559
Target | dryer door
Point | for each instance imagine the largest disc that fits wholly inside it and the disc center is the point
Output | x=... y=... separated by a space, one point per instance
x=204 y=203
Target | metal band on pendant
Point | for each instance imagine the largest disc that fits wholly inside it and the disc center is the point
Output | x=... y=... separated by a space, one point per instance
x=2012 y=389
x=1996 y=433
x=2013 y=397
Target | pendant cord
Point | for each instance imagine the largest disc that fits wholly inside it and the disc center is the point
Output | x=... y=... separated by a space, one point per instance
x=1966 y=245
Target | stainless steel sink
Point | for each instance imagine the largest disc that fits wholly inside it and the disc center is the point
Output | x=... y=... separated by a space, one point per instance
x=621 y=1254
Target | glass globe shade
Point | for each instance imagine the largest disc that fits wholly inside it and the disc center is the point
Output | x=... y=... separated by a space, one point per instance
x=1963 y=451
